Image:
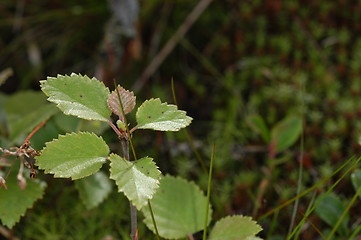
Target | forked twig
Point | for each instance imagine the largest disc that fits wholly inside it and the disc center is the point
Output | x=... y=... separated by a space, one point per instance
x=169 y=46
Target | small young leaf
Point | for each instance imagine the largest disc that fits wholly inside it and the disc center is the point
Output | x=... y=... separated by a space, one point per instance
x=257 y=124
x=153 y=114
x=128 y=101
x=236 y=227
x=14 y=202
x=75 y=155
x=94 y=189
x=179 y=208
x=330 y=210
x=286 y=132
x=138 y=180
x=78 y=95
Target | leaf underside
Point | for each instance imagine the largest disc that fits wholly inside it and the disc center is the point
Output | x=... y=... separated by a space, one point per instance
x=153 y=114
x=138 y=180
x=14 y=202
x=179 y=208
x=78 y=95
x=235 y=227
x=74 y=155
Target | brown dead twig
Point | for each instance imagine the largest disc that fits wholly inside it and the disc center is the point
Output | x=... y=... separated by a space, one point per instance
x=169 y=46
x=22 y=152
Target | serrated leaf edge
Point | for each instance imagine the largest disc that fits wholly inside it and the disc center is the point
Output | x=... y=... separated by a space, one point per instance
x=197 y=187
x=239 y=217
x=31 y=207
x=61 y=137
x=120 y=190
x=84 y=77
x=174 y=109
x=122 y=91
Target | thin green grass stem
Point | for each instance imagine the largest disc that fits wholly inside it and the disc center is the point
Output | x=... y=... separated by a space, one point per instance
x=297 y=230
x=308 y=213
x=273 y=225
x=153 y=220
x=300 y=170
x=189 y=137
x=319 y=183
x=339 y=221
x=355 y=233
x=209 y=192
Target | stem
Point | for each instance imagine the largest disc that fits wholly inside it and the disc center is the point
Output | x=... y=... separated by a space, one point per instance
x=352 y=161
x=153 y=219
x=125 y=121
x=189 y=137
x=209 y=192
x=125 y=147
x=172 y=42
x=34 y=131
x=133 y=210
x=300 y=170
x=116 y=130
x=133 y=222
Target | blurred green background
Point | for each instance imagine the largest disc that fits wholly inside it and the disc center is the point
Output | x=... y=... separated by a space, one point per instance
x=239 y=59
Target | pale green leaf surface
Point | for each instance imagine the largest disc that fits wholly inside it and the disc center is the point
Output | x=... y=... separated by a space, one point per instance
x=356 y=180
x=179 y=208
x=138 y=180
x=235 y=227
x=26 y=110
x=153 y=114
x=78 y=95
x=94 y=189
x=75 y=155
x=286 y=132
x=14 y=202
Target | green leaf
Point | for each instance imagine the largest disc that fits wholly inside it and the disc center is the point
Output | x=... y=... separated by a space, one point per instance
x=78 y=95
x=330 y=210
x=67 y=123
x=235 y=227
x=74 y=155
x=153 y=114
x=258 y=125
x=14 y=202
x=24 y=111
x=138 y=180
x=179 y=208
x=356 y=180
x=94 y=189
x=286 y=132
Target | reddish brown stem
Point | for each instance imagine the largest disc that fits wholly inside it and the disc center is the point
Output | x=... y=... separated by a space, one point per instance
x=34 y=131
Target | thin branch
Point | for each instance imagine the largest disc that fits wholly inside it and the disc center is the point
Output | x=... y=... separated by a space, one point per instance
x=169 y=46
x=33 y=132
